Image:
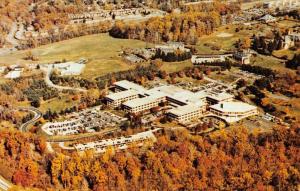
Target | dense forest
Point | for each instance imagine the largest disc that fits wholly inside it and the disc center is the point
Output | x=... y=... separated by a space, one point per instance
x=225 y=160
x=193 y=22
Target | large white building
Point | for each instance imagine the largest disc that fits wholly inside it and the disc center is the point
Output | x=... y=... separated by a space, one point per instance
x=127 y=85
x=116 y=99
x=202 y=59
x=144 y=104
x=186 y=113
x=187 y=105
x=233 y=111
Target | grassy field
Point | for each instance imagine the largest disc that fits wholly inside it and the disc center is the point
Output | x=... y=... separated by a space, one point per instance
x=224 y=38
x=288 y=53
x=176 y=66
x=269 y=62
x=56 y=104
x=101 y=50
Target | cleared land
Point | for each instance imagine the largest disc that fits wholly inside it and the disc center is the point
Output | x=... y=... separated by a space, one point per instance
x=101 y=50
x=225 y=37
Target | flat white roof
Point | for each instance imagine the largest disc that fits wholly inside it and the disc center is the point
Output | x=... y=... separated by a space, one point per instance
x=129 y=85
x=219 y=96
x=142 y=101
x=169 y=89
x=238 y=107
x=116 y=141
x=122 y=94
x=69 y=68
x=182 y=110
x=13 y=74
x=174 y=92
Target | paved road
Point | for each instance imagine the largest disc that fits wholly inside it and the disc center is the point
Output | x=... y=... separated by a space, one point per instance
x=51 y=84
x=78 y=137
x=37 y=116
x=4 y=185
x=11 y=36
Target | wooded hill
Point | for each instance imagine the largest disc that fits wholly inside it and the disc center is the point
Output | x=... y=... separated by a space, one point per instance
x=226 y=160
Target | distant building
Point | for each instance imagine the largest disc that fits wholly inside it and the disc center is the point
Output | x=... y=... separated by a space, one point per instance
x=202 y=59
x=242 y=56
x=134 y=58
x=2 y=69
x=13 y=74
x=70 y=68
x=268 y=19
x=290 y=40
x=171 y=47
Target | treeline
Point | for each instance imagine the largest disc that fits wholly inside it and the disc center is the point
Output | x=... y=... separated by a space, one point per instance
x=39 y=89
x=137 y=74
x=172 y=56
x=22 y=159
x=222 y=8
x=184 y=27
x=294 y=63
x=258 y=70
x=293 y=14
x=71 y=81
x=67 y=32
x=266 y=46
x=39 y=14
x=224 y=160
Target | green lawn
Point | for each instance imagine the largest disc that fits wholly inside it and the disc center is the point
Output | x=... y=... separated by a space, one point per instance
x=289 y=53
x=269 y=62
x=225 y=38
x=101 y=50
x=176 y=66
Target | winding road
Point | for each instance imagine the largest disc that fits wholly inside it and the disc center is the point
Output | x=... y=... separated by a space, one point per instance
x=4 y=185
x=48 y=71
x=37 y=116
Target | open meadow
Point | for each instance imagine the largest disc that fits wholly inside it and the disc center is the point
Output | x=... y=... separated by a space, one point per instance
x=101 y=51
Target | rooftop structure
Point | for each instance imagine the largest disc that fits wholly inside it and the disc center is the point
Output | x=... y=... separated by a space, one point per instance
x=173 y=93
x=216 y=97
x=202 y=59
x=117 y=143
x=242 y=56
x=116 y=99
x=186 y=105
x=186 y=113
x=143 y=104
x=268 y=19
x=69 y=68
x=171 y=47
x=233 y=111
x=13 y=74
x=127 y=85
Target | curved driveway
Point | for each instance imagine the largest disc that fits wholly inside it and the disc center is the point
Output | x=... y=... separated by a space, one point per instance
x=51 y=84
x=4 y=185
x=37 y=116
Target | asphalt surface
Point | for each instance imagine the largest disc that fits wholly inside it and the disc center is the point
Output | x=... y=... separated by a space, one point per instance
x=51 y=84
x=4 y=185
x=37 y=116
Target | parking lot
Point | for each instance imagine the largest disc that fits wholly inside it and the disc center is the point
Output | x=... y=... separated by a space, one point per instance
x=118 y=143
x=89 y=120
